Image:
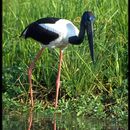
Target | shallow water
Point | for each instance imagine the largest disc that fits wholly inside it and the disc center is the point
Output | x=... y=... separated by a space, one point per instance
x=38 y=121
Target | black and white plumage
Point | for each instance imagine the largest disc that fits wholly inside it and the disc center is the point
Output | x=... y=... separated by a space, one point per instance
x=56 y=32
x=51 y=32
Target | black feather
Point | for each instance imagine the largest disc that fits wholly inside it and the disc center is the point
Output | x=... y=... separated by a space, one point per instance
x=47 y=20
x=38 y=33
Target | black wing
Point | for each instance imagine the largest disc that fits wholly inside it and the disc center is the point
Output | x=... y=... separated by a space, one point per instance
x=38 y=33
x=47 y=20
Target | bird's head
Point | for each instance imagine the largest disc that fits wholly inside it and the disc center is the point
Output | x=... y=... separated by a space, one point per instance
x=88 y=19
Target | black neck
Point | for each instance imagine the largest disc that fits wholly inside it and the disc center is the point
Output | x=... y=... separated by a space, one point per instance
x=78 y=39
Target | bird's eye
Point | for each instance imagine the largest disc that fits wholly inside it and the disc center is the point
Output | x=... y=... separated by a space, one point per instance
x=91 y=18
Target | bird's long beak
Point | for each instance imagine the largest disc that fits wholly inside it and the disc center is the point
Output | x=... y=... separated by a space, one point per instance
x=89 y=29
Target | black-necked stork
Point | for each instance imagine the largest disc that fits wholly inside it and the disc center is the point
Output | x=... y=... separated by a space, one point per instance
x=56 y=32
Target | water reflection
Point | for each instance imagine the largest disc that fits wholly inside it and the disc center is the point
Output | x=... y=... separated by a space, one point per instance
x=30 y=118
x=44 y=122
x=36 y=121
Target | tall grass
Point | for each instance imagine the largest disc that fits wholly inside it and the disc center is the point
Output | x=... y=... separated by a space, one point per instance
x=79 y=76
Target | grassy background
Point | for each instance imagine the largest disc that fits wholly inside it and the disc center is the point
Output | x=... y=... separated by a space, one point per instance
x=85 y=88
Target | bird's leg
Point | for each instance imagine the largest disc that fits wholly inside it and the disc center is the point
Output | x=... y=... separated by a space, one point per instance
x=30 y=74
x=58 y=78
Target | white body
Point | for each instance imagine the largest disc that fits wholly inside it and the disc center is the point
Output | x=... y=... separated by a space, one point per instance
x=65 y=29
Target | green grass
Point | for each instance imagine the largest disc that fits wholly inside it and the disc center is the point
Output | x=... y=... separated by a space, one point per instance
x=84 y=86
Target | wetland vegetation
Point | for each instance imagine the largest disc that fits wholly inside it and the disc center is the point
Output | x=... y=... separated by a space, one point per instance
x=99 y=90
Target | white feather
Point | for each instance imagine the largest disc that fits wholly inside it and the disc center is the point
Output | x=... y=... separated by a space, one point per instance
x=64 y=28
x=24 y=33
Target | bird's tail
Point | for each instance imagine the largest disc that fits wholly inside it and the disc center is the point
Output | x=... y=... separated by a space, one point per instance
x=24 y=32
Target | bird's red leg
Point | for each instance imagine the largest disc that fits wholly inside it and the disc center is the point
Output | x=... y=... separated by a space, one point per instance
x=58 y=78
x=30 y=74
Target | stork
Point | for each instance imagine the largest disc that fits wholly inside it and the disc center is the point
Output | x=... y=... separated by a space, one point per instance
x=53 y=32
